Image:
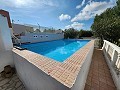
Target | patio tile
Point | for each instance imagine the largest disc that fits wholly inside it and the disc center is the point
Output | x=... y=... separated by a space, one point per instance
x=87 y=87
x=99 y=76
x=89 y=83
x=95 y=86
x=96 y=81
x=12 y=83
x=89 y=78
x=103 y=88
x=111 y=88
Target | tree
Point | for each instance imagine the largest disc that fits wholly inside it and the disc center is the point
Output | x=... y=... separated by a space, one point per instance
x=71 y=33
x=107 y=25
x=84 y=33
x=37 y=31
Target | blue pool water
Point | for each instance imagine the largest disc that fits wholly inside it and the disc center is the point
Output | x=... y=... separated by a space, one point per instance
x=58 y=50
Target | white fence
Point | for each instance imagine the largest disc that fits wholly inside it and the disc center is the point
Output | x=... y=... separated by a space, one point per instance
x=112 y=55
x=32 y=37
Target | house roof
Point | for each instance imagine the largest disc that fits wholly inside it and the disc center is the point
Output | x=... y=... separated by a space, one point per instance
x=6 y=14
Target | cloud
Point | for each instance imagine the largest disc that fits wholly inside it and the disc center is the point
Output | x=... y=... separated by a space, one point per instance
x=113 y=1
x=28 y=8
x=64 y=17
x=79 y=6
x=75 y=25
x=91 y=9
x=27 y=3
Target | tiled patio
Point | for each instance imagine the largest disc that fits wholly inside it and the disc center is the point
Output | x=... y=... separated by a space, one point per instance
x=12 y=83
x=99 y=77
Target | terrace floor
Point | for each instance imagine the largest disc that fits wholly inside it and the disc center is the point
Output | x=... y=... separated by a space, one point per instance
x=99 y=77
x=12 y=83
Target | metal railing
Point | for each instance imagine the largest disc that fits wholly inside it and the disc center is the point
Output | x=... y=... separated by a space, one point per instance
x=16 y=40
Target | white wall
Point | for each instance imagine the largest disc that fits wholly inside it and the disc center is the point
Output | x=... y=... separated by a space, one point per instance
x=18 y=29
x=5 y=44
x=29 y=37
x=6 y=58
x=33 y=78
x=5 y=36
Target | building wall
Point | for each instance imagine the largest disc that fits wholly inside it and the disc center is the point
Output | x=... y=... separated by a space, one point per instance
x=18 y=29
x=6 y=58
x=32 y=37
x=5 y=36
x=5 y=44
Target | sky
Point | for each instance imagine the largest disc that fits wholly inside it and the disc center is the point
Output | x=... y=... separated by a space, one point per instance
x=59 y=14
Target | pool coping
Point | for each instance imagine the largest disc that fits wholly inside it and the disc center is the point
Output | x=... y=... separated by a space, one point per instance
x=64 y=72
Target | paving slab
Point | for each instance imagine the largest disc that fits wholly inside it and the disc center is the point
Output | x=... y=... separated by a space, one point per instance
x=99 y=76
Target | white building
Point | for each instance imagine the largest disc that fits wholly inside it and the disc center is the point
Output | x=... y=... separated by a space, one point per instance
x=19 y=29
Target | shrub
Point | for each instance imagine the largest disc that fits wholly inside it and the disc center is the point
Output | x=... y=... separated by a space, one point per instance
x=84 y=33
x=71 y=33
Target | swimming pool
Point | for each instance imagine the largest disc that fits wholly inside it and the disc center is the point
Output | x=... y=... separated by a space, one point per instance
x=58 y=50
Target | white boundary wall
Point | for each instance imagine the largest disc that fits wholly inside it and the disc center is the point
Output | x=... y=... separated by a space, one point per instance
x=32 y=37
x=112 y=55
x=5 y=44
x=33 y=78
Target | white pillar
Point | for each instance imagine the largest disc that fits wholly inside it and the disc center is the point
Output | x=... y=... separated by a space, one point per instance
x=103 y=45
x=5 y=36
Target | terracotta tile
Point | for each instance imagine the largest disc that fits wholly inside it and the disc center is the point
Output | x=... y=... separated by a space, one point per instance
x=89 y=83
x=89 y=78
x=87 y=87
x=108 y=75
x=102 y=71
x=111 y=83
x=62 y=78
x=111 y=88
x=95 y=81
x=96 y=73
x=95 y=77
x=90 y=74
x=95 y=86
x=109 y=79
x=90 y=71
x=56 y=75
x=101 y=74
x=102 y=79
x=103 y=88
x=102 y=84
